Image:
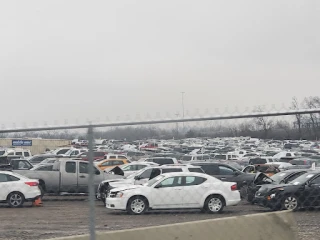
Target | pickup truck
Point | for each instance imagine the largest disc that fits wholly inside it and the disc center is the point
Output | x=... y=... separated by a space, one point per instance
x=7 y=163
x=67 y=175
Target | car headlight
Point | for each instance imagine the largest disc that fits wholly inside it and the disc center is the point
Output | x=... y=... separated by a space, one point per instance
x=272 y=195
x=119 y=195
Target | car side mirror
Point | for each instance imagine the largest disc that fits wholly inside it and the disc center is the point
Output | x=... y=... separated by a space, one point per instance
x=137 y=178
x=97 y=172
x=236 y=173
x=157 y=186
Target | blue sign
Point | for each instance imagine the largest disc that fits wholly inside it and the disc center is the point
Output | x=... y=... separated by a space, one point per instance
x=21 y=143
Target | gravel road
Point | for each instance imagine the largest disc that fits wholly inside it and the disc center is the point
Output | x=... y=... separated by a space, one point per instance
x=65 y=218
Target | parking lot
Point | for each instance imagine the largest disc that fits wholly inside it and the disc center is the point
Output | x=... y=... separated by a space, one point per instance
x=64 y=218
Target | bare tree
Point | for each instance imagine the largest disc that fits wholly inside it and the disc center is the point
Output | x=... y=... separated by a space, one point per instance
x=285 y=126
x=313 y=102
x=263 y=123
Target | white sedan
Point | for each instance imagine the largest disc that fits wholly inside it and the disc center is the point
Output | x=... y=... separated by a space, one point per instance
x=17 y=189
x=175 y=191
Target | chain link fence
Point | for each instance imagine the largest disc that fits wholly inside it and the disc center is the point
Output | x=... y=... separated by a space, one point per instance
x=168 y=168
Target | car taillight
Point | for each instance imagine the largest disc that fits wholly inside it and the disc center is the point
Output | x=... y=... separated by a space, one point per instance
x=32 y=184
x=234 y=187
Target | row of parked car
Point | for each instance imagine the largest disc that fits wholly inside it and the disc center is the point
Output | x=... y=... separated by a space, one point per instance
x=132 y=184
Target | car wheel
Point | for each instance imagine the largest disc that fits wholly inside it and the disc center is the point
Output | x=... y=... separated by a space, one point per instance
x=137 y=205
x=290 y=203
x=15 y=199
x=214 y=204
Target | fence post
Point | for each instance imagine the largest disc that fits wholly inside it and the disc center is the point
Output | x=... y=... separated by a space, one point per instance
x=91 y=186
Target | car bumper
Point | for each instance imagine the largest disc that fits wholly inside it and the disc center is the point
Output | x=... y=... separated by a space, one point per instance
x=32 y=194
x=264 y=201
x=233 y=199
x=116 y=203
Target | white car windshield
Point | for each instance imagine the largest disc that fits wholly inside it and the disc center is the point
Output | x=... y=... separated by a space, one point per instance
x=69 y=152
x=153 y=181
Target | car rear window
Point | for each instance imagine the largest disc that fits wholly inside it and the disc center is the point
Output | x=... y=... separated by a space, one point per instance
x=257 y=161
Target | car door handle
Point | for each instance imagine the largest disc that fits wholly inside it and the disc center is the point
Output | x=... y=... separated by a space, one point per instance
x=223 y=178
x=177 y=189
x=82 y=177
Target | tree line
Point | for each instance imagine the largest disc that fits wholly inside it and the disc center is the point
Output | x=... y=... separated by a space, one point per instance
x=300 y=126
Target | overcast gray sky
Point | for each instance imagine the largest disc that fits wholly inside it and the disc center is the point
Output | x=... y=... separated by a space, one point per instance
x=76 y=59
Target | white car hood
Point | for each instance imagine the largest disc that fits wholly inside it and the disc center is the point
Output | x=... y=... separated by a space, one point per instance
x=126 y=187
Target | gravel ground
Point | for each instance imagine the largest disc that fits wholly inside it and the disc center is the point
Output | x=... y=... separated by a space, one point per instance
x=64 y=218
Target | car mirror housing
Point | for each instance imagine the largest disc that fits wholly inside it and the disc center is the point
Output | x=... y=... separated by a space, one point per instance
x=136 y=177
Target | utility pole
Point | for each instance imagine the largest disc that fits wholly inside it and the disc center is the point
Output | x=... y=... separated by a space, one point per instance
x=177 y=124
x=182 y=101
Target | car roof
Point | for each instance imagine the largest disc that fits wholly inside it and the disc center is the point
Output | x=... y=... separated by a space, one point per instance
x=141 y=163
x=207 y=162
x=294 y=170
x=166 y=166
x=180 y=165
x=193 y=174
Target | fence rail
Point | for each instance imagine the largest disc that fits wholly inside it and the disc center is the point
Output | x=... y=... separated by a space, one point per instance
x=195 y=119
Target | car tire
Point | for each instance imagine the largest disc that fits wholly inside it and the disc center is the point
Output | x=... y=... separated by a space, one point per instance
x=137 y=205
x=15 y=199
x=214 y=204
x=290 y=202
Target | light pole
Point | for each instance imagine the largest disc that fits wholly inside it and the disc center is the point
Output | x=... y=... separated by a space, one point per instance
x=182 y=101
x=177 y=125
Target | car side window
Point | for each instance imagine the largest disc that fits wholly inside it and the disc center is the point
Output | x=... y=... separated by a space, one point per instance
x=210 y=169
x=171 y=182
x=169 y=170
x=108 y=163
x=294 y=176
x=8 y=178
x=3 y=177
x=146 y=174
x=127 y=168
x=139 y=167
x=223 y=170
x=83 y=167
x=192 y=181
x=11 y=178
x=118 y=162
x=70 y=167
x=198 y=170
x=316 y=181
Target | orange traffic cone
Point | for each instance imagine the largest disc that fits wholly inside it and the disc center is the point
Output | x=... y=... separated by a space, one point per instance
x=37 y=202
